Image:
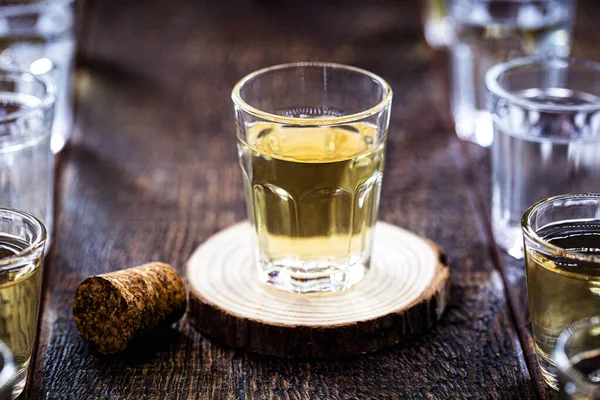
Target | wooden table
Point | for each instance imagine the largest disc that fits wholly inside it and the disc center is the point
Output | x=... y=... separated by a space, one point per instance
x=152 y=172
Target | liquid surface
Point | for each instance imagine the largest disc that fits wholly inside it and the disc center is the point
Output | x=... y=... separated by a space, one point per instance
x=583 y=237
x=7 y=252
x=312 y=194
x=562 y=290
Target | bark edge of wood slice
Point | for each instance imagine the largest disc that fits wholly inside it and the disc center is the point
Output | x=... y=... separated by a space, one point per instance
x=403 y=294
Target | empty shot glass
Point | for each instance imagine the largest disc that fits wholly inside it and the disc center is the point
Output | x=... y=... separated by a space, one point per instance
x=489 y=32
x=26 y=161
x=22 y=241
x=577 y=358
x=562 y=257
x=546 y=118
x=39 y=37
x=7 y=372
x=311 y=142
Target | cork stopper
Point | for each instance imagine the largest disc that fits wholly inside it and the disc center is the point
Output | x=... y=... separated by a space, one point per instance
x=111 y=310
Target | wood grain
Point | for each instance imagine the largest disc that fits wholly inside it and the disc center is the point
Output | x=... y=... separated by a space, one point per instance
x=403 y=294
x=153 y=172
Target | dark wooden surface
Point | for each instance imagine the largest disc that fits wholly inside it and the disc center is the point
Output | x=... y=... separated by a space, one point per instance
x=152 y=172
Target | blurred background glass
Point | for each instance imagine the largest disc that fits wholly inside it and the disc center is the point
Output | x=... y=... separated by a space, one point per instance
x=546 y=121
x=438 y=26
x=494 y=31
x=26 y=162
x=39 y=36
x=577 y=357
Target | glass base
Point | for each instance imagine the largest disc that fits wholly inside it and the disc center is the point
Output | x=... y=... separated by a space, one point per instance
x=20 y=381
x=509 y=239
x=311 y=277
x=548 y=370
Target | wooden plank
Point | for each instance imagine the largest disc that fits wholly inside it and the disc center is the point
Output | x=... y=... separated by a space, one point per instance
x=153 y=172
x=511 y=269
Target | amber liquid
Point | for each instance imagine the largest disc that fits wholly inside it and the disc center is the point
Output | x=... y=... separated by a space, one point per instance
x=312 y=195
x=562 y=290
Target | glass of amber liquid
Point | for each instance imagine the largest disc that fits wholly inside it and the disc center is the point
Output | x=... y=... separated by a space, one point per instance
x=22 y=241
x=577 y=357
x=311 y=143
x=562 y=254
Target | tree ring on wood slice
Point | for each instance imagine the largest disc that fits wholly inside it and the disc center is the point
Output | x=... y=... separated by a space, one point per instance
x=404 y=293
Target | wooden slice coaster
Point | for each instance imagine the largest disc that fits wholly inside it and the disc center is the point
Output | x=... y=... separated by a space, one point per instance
x=404 y=293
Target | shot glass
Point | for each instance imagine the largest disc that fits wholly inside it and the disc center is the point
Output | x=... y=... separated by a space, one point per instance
x=22 y=241
x=39 y=37
x=577 y=357
x=562 y=258
x=489 y=32
x=7 y=372
x=26 y=161
x=311 y=144
x=546 y=136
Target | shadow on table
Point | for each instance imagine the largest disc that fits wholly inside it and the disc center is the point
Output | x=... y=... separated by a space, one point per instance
x=146 y=350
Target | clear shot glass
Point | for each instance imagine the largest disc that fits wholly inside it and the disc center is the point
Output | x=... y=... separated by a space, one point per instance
x=22 y=241
x=546 y=120
x=577 y=358
x=311 y=143
x=26 y=161
x=562 y=257
x=489 y=32
x=39 y=37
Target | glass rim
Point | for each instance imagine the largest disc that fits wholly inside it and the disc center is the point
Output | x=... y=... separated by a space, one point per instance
x=494 y=72
x=380 y=106
x=47 y=100
x=16 y=8
x=547 y=247
x=9 y=370
x=24 y=255
x=563 y=362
